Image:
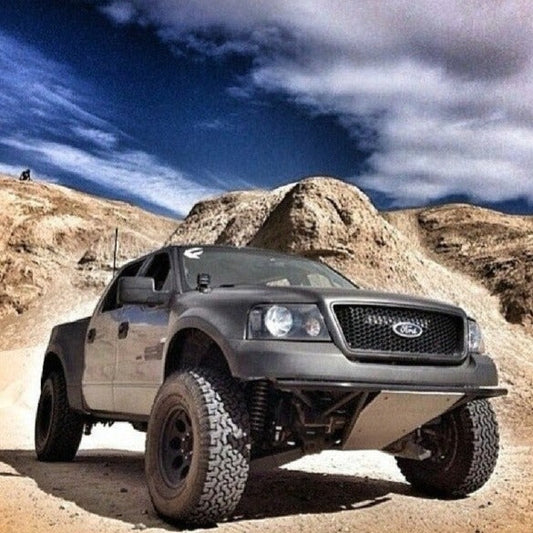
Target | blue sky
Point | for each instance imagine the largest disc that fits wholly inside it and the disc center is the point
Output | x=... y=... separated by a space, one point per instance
x=163 y=103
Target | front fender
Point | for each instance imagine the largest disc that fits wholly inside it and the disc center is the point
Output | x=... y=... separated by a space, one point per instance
x=208 y=327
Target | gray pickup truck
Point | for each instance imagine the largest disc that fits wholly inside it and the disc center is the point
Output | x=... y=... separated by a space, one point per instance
x=230 y=357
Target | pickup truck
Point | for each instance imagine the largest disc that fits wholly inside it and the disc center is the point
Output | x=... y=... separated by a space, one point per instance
x=230 y=357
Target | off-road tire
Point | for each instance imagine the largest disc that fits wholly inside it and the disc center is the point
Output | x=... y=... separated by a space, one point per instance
x=197 y=447
x=465 y=446
x=58 y=429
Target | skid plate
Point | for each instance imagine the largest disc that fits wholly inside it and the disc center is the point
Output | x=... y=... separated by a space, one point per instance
x=392 y=414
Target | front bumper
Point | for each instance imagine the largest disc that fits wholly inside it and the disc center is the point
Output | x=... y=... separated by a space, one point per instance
x=321 y=365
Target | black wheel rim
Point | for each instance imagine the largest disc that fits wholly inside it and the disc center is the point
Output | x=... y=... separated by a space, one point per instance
x=176 y=448
x=44 y=414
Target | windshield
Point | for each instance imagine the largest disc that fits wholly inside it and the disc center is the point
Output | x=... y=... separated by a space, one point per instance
x=229 y=267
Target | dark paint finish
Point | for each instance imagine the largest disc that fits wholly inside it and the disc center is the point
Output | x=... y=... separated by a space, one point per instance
x=67 y=343
x=222 y=314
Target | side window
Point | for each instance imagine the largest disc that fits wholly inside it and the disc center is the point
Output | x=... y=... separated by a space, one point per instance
x=318 y=280
x=159 y=269
x=110 y=301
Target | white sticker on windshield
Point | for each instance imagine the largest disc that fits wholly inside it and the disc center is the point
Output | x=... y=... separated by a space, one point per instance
x=193 y=253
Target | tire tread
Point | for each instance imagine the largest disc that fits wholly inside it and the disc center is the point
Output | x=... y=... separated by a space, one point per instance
x=66 y=426
x=224 y=452
x=477 y=453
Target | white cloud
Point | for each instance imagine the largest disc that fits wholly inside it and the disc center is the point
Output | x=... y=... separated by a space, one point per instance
x=103 y=139
x=11 y=170
x=32 y=85
x=216 y=124
x=130 y=172
x=40 y=98
x=446 y=85
x=120 y=12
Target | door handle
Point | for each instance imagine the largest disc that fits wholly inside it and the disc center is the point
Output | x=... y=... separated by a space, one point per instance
x=123 y=330
x=91 y=335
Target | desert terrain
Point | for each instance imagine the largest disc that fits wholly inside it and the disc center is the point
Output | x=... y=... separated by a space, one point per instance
x=56 y=257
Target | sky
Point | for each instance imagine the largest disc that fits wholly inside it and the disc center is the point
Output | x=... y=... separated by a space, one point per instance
x=162 y=103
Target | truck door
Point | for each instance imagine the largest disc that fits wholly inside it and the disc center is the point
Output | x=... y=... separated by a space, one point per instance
x=101 y=346
x=141 y=342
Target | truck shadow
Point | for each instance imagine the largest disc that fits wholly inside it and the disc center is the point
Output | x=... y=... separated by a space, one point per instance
x=110 y=483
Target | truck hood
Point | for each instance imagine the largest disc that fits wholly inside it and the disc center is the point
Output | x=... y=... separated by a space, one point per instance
x=255 y=294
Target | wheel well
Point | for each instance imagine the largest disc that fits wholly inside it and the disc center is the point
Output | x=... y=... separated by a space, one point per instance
x=193 y=348
x=52 y=363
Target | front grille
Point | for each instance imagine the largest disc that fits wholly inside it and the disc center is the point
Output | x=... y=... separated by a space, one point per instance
x=370 y=328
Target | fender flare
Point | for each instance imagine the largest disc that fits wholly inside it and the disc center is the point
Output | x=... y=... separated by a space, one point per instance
x=199 y=324
x=72 y=371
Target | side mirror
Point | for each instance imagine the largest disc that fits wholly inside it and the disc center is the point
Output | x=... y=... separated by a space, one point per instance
x=140 y=290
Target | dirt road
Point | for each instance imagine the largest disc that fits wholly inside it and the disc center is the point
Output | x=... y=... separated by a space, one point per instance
x=104 y=490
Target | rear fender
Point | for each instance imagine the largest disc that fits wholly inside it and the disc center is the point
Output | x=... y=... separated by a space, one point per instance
x=65 y=352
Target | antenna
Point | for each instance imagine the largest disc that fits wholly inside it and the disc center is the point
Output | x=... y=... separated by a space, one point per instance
x=115 y=252
x=169 y=238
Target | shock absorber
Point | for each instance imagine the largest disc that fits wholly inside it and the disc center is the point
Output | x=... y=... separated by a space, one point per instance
x=258 y=407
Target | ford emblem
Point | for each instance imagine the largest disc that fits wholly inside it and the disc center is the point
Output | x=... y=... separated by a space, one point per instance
x=407 y=330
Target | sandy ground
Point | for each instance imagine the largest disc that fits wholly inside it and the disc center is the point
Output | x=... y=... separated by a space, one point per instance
x=104 y=488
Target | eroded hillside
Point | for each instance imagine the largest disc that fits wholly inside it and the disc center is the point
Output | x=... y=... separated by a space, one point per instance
x=51 y=235
x=494 y=248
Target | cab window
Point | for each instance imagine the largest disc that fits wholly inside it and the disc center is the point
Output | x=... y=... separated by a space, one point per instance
x=159 y=269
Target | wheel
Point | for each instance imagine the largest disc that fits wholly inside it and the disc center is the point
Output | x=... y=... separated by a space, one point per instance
x=197 y=447
x=58 y=429
x=464 y=448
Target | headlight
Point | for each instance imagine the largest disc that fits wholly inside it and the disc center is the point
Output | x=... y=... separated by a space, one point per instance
x=278 y=320
x=475 y=338
x=287 y=321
